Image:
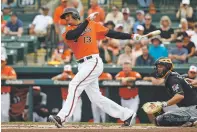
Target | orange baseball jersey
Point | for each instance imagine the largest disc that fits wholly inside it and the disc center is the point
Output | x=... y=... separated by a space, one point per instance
x=64 y=91
x=101 y=16
x=104 y=76
x=7 y=71
x=58 y=12
x=86 y=44
x=125 y=92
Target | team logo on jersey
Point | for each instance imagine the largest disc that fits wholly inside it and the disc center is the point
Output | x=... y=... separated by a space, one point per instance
x=86 y=31
x=175 y=87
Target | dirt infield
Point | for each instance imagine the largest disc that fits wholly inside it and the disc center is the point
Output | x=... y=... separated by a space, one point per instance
x=37 y=127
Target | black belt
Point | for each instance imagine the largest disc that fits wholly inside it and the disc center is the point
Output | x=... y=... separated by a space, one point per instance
x=83 y=59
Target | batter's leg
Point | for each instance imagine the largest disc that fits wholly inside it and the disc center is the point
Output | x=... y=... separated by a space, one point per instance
x=95 y=113
x=107 y=105
x=88 y=71
x=77 y=111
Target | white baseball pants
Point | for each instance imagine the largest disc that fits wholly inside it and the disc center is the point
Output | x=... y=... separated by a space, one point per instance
x=76 y=117
x=5 y=106
x=87 y=79
x=132 y=103
x=98 y=114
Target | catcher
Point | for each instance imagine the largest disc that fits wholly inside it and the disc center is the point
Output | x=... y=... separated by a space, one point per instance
x=182 y=94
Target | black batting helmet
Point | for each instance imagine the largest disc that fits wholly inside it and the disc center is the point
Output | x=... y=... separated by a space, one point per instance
x=165 y=62
x=73 y=11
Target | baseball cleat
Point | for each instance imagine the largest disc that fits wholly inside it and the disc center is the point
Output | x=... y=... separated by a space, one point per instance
x=130 y=121
x=56 y=119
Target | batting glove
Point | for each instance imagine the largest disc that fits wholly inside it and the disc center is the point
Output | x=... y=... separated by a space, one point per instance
x=164 y=104
x=92 y=16
x=136 y=37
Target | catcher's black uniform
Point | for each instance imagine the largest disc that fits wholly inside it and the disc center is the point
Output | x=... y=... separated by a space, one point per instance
x=175 y=83
x=187 y=111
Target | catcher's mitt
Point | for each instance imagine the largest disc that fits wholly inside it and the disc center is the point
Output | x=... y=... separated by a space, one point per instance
x=152 y=107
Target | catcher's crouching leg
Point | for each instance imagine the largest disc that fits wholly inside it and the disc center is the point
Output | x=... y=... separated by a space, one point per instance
x=170 y=119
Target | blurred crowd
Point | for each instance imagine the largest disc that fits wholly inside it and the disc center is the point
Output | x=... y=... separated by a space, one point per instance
x=179 y=44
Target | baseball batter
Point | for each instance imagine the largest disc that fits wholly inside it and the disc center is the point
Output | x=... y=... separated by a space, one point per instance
x=82 y=39
x=182 y=94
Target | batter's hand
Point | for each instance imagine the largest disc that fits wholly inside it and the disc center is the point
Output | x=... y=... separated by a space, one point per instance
x=92 y=16
x=137 y=37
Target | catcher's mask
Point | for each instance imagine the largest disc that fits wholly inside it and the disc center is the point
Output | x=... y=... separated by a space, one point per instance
x=73 y=11
x=165 y=62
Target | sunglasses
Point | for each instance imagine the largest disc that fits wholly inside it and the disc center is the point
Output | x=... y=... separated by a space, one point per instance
x=192 y=72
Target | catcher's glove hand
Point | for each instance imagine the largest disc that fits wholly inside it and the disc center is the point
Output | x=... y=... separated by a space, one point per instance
x=153 y=107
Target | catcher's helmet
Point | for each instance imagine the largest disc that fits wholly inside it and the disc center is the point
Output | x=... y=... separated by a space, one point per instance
x=73 y=11
x=165 y=62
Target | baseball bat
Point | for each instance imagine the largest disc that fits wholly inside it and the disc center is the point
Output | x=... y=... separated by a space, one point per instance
x=153 y=33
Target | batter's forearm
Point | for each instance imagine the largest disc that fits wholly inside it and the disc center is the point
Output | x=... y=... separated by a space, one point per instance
x=75 y=34
x=118 y=35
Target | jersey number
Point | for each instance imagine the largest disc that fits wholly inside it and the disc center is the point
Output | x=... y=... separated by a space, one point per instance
x=87 y=39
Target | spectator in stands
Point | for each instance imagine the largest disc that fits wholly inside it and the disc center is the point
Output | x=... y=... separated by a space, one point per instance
x=61 y=54
x=140 y=20
x=97 y=112
x=77 y=4
x=148 y=26
x=11 y=3
x=110 y=25
x=40 y=112
x=114 y=16
x=68 y=75
x=167 y=33
x=189 y=45
x=129 y=95
x=140 y=30
x=96 y=8
x=194 y=37
x=60 y=23
x=183 y=28
x=144 y=3
x=7 y=73
x=156 y=50
x=145 y=59
x=14 y=26
x=104 y=52
x=185 y=10
x=136 y=51
x=127 y=21
x=3 y=23
x=192 y=73
x=179 y=54
x=126 y=56
x=41 y=25
x=7 y=12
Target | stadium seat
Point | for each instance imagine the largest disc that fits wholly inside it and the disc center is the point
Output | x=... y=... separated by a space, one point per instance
x=12 y=56
x=192 y=60
x=21 y=50
x=31 y=40
x=8 y=38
